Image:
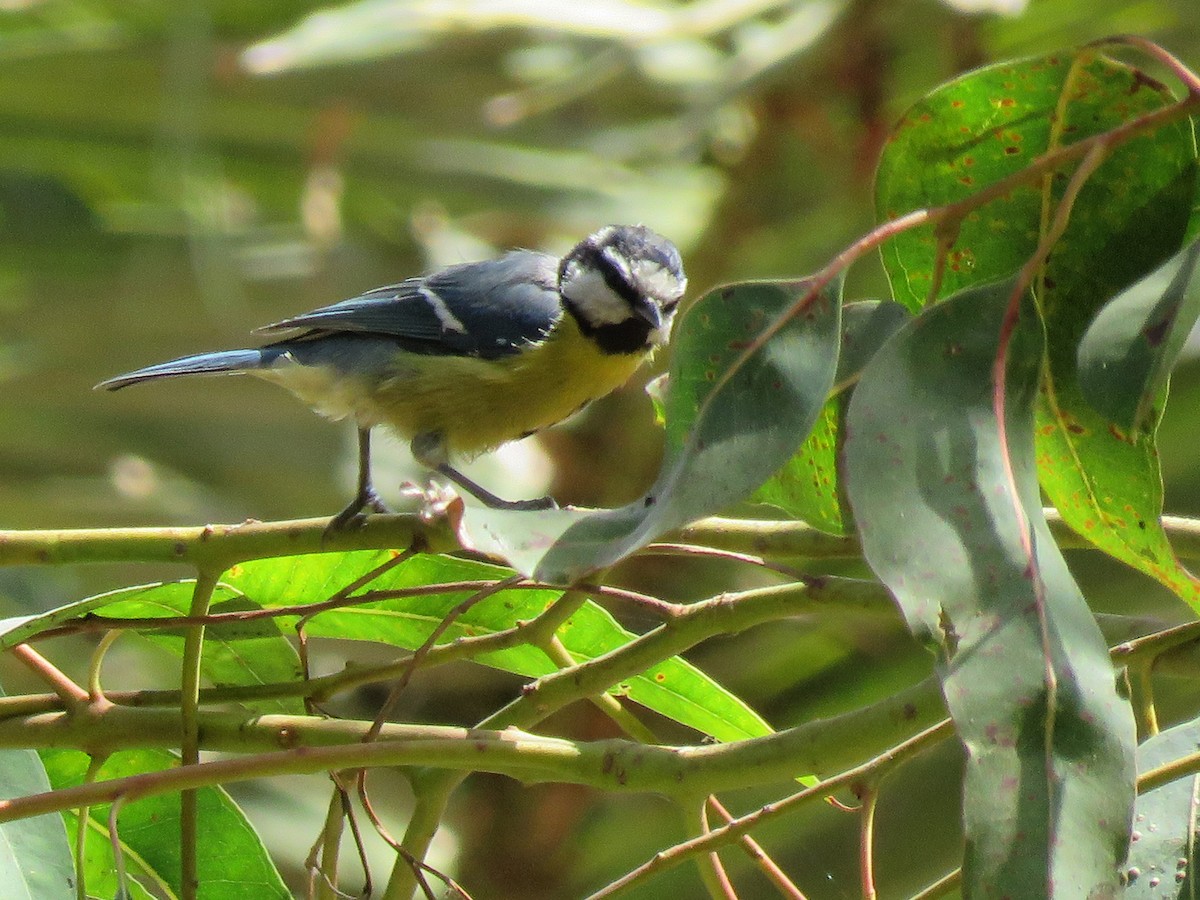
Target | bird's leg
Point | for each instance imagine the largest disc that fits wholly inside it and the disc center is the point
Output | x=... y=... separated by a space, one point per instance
x=429 y=449
x=365 y=499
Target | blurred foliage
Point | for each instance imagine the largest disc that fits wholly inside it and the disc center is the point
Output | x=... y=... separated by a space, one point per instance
x=174 y=174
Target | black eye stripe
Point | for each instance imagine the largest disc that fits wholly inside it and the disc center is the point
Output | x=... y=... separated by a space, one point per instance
x=613 y=277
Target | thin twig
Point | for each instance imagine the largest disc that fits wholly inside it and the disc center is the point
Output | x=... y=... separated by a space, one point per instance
x=940 y=888
x=769 y=867
x=735 y=829
x=668 y=549
x=423 y=651
x=71 y=694
x=325 y=855
x=712 y=872
x=114 y=837
x=95 y=688
x=869 y=795
x=82 y=817
x=1189 y=78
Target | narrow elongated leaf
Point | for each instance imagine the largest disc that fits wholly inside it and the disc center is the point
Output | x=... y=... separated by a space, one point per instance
x=1130 y=216
x=732 y=420
x=231 y=860
x=235 y=654
x=1163 y=852
x=169 y=598
x=674 y=688
x=1025 y=672
x=371 y=28
x=1127 y=354
x=35 y=858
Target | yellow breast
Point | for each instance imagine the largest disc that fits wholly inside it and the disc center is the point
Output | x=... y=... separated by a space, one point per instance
x=474 y=404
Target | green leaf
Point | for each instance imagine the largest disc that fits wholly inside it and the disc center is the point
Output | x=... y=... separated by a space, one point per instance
x=732 y=420
x=674 y=688
x=160 y=600
x=35 y=857
x=1162 y=854
x=231 y=860
x=235 y=653
x=1128 y=218
x=238 y=653
x=1127 y=353
x=991 y=123
x=1049 y=771
x=866 y=325
x=808 y=486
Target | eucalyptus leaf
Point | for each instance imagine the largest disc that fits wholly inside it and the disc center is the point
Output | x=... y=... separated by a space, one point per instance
x=931 y=476
x=231 y=859
x=1127 y=353
x=1163 y=850
x=35 y=857
x=1130 y=215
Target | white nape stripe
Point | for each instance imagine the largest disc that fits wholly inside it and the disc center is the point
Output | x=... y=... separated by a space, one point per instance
x=449 y=321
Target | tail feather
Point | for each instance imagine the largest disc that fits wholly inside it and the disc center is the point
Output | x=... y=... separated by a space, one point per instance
x=221 y=362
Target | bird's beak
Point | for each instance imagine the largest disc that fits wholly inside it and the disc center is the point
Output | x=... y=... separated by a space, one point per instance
x=648 y=311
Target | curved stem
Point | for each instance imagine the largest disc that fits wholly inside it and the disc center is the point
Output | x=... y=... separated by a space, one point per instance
x=712 y=871
x=193 y=653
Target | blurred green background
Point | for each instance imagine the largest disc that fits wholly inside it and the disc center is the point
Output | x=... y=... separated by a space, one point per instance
x=175 y=173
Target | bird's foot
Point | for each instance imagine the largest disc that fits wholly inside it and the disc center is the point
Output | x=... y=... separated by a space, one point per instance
x=490 y=500
x=356 y=512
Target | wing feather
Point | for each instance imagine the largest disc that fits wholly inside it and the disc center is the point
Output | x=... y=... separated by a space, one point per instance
x=488 y=309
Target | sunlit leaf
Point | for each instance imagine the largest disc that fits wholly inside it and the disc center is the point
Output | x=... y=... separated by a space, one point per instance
x=236 y=653
x=230 y=858
x=150 y=601
x=806 y=488
x=245 y=653
x=675 y=688
x=1026 y=674
x=1129 y=217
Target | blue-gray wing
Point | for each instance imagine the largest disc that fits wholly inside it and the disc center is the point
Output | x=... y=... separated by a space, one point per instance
x=488 y=309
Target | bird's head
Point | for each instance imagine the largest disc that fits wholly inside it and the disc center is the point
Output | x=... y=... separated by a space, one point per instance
x=623 y=284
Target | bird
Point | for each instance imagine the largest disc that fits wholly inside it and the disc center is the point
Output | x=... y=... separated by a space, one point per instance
x=471 y=356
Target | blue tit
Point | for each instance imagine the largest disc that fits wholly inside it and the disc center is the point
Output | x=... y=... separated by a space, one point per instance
x=472 y=356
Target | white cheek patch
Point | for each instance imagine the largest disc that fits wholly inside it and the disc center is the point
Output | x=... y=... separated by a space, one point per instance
x=588 y=290
x=448 y=320
x=657 y=280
